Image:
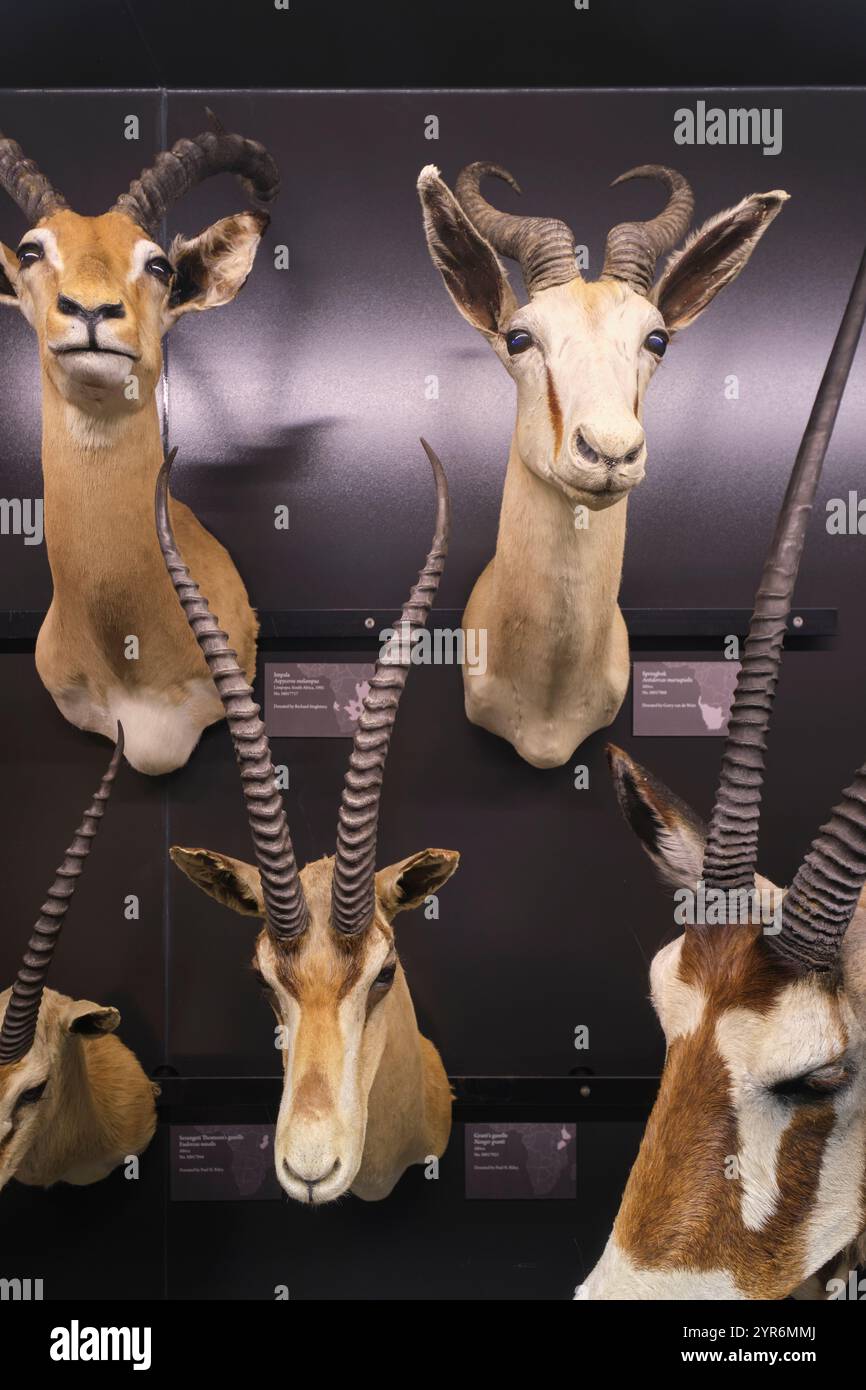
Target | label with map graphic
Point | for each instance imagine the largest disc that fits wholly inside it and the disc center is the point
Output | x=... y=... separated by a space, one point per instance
x=521 y=1160
x=319 y=699
x=686 y=699
x=223 y=1163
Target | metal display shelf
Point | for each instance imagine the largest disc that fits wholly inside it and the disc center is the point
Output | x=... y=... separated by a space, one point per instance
x=18 y=628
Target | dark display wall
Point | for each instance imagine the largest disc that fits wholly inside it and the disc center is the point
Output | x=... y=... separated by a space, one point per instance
x=309 y=390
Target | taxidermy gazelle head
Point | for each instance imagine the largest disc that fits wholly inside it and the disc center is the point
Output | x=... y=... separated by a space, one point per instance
x=364 y=1093
x=100 y=292
x=751 y=1178
x=74 y=1101
x=582 y=353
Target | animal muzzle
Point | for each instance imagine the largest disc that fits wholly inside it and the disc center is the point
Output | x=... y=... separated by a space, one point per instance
x=316 y=1162
x=613 y=452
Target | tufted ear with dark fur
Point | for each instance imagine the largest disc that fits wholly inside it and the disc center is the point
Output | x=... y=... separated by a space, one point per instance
x=712 y=257
x=670 y=832
x=406 y=884
x=230 y=881
x=473 y=275
x=211 y=268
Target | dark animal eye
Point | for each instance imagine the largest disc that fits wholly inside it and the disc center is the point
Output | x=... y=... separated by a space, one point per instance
x=385 y=977
x=816 y=1085
x=30 y=251
x=518 y=340
x=32 y=1096
x=161 y=268
x=656 y=342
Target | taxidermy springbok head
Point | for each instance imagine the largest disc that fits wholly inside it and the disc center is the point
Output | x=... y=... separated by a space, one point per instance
x=581 y=354
x=364 y=1093
x=74 y=1102
x=99 y=293
x=751 y=1179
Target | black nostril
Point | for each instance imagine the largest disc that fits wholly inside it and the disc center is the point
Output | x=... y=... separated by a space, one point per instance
x=311 y=1182
x=65 y=305
x=583 y=447
x=633 y=454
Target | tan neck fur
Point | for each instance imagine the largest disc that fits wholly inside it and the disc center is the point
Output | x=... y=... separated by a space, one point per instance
x=557 y=659
x=409 y=1108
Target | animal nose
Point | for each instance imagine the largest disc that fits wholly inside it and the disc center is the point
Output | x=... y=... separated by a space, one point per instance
x=73 y=309
x=309 y=1182
x=593 y=450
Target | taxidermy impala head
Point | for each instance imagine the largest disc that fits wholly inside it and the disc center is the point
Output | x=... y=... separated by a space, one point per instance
x=101 y=291
x=751 y=1178
x=326 y=956
x=66 y=1112
x=582 y=353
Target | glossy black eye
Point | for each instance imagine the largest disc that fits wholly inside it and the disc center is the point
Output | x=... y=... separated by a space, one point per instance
x=656 y=342
x=518 y=340
x=385 y=977
x=30 y=252
x=161 y=268
x=32 y=1096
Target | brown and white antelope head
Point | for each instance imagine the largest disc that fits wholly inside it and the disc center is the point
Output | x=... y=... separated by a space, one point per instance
x=100 y=292
x=51 y=1126
x=750 y=1182
x=582 y=353
x=326 y=956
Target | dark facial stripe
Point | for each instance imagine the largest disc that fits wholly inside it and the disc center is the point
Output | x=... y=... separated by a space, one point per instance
x=555 y=412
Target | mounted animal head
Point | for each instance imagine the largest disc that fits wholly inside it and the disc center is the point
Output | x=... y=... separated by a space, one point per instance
x=582 y=353
x=101 y=291
x=326 y=955
x=40 y=1030
x=751 y=1178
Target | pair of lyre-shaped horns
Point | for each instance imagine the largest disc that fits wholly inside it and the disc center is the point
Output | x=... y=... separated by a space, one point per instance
x=353 y=894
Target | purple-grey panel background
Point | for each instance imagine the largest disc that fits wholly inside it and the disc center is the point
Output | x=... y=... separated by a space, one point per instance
x=309 y=390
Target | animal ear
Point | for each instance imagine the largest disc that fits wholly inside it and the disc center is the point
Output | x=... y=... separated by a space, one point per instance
x=408 y=883
x=232 y=882
x=8 y=274
x=670 y=832
x=212 y=267
x=90 y=1020
x=712 y=257
x=473 y=275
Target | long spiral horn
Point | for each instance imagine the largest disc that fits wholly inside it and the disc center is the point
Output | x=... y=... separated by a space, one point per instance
x=286 y=913
x=353 y=890
x=633 y=248
x=25 y=183
x=542 y=246
x=22 y=1011
x=730 y=857
x=189 y=162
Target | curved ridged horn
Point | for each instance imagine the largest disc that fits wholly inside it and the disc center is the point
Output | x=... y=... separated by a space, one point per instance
x=542 y=246
x=26 y=184
x=22 y=1011
x=821 y=901
x=731 y=851
x=189 y=162
x=353 y=890
x=285 y=905
x=633 y=248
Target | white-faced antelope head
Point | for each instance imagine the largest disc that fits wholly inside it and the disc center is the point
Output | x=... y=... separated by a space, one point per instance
x=74 y=1102
x=750 y=1182
x=100 y=292
x=364 y=1093
x=582 y=354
